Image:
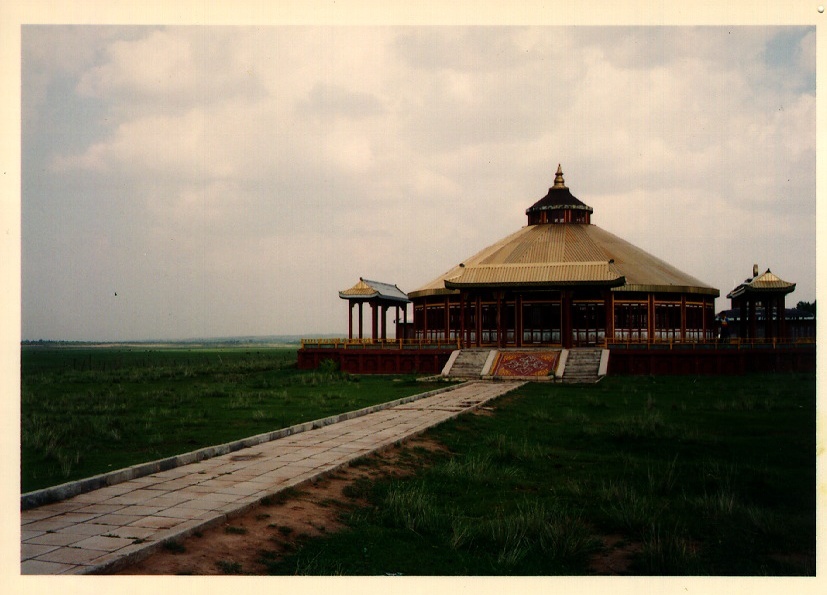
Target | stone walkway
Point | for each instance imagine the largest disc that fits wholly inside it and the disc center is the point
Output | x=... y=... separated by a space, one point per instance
x=108 y=528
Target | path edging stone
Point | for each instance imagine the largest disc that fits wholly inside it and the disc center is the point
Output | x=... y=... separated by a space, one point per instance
x=73 y=488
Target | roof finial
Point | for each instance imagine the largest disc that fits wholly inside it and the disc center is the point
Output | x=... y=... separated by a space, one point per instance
x=558 y=179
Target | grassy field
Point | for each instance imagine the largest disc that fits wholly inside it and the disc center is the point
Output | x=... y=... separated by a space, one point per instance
x=88 y=410
x=679 y=475
x=675 y=475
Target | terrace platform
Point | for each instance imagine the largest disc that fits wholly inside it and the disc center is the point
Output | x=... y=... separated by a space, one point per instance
x=736 y=356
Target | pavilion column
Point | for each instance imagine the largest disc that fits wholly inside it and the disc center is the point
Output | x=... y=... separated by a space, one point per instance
x=462 y=306
x=751 y=332
x=565 y=314
x=609 y=307
x=499 y=319
x=425 y=319
x=683 y=318
x=350 y=320
x=478 y=321
x=447 y=318
x=384 y=322
x=360 y=319
x=518 y=320
x=650 y=318
x=373 y=319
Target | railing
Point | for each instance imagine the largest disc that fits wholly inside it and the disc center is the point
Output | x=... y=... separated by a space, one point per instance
x=733 y=343
x=380 y=344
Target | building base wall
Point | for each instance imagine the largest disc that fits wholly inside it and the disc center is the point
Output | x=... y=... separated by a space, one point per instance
x=377 y=361
x=710 y=360
x=624 y=359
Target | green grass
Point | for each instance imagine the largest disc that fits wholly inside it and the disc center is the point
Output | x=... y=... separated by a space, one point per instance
x=86 y=411
x=705 y=476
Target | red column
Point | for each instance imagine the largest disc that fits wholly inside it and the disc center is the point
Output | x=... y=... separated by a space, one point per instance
x=425 y=319
x=565 y=315
x=478 y=340
x=373 y=320
x=462 y=306
x=360 y=319
x=518 y=320
x=499 y=320
x=609 y=306
x=447 y=318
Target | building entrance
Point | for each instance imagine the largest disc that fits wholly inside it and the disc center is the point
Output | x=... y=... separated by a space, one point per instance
x=588 y=323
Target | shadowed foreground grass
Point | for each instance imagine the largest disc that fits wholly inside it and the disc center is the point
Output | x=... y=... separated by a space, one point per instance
x=86 y=411
x=709 y=476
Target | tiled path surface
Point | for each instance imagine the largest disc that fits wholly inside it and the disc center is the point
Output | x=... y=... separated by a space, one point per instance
x=102 y=529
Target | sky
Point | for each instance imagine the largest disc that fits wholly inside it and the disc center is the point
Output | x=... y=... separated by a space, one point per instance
x=187 y=182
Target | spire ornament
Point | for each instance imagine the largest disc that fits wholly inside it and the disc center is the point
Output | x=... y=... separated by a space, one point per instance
x=558 y=178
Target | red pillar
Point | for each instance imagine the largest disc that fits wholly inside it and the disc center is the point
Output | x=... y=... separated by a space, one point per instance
x=609 y=307
x=462 y=313
x=478 y=340
x=360 y=319
x=499 y=320
x=447 y=318
x=425 y=319
x=518 y=320
x=565 y=314
x=373 y=319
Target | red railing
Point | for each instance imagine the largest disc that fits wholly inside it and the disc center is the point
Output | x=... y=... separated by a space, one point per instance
x=772 y=343
x=380 y=344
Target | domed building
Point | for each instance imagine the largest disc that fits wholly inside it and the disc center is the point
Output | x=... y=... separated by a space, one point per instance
x=563 y=281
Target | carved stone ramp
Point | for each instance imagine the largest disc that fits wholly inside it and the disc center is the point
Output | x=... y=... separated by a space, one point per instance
x=585 y=365
x=105 y=529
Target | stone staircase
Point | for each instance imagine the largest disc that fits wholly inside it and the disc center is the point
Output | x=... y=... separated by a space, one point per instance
x=468 y=363
x=583 y=366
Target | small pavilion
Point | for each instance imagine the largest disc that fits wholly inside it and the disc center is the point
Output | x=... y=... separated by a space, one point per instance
x=381 y=297
x=761 y=296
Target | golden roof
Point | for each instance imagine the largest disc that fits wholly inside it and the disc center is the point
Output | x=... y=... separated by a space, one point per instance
x=768 y=282
x=573 y=254
x=366 y=289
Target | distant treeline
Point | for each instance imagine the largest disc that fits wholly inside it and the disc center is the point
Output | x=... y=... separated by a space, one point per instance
x=212 y=342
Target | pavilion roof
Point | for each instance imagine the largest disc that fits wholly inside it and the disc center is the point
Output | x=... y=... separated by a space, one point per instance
x=764 y=283
x=559 y=255
x=366 y=289
x=559 y=197
x=543 y=274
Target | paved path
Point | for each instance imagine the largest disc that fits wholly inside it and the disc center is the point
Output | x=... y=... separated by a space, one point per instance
x=104 y=529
